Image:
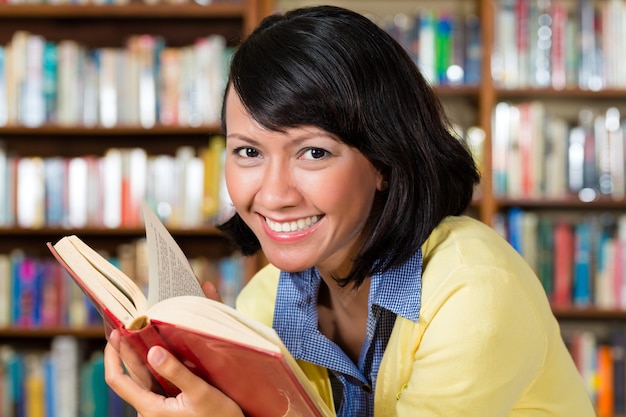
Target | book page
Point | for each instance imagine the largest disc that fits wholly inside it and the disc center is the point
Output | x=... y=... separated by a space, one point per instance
x=126 y=286
x=97 y=287
x=169 y=271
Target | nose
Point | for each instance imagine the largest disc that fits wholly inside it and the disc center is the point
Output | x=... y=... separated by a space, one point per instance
x=279 y=188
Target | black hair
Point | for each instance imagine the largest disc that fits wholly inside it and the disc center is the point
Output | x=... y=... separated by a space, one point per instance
x=335 y=69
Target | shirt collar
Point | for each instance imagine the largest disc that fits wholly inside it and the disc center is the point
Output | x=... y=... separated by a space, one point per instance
x=399 y=289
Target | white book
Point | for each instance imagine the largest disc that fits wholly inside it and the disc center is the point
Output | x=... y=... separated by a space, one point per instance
x=603 y=155
x=65 y=356
x=426 y=57
x=161 y=185
x=112 y=188
x=146 y=80
x=5 y=191
x=501 y=133
x=33 y=109
x=616 y=150
x=107 y=86
x=194 y=192
x=184 y=155
x=78 y=189
x=30 y=192
x=514 y=157
x=576 y=158
x=210 y=77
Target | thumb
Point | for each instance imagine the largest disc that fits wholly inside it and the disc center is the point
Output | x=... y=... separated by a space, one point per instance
x=195 y=392
x=210 y=291
x=170 y=368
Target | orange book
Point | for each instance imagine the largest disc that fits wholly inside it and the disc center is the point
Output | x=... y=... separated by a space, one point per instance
x=605 y=392
x=240 y=356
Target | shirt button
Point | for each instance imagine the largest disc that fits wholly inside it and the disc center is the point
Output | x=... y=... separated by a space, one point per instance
x=366 y=388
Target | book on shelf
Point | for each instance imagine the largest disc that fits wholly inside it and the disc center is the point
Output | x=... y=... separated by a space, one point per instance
x=243 y=358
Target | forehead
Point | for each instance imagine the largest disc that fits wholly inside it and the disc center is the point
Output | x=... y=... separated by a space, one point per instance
x=239 y=123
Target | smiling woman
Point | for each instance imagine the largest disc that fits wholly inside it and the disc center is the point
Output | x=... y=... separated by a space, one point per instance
x=342 y=169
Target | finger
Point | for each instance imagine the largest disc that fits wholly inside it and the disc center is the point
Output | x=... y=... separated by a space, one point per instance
x=114 y=375
x=210 y=291
x=114 y=339
x=136 y=367
x=195 y=392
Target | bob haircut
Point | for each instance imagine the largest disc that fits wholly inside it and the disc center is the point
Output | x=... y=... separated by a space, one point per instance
x=335 y=69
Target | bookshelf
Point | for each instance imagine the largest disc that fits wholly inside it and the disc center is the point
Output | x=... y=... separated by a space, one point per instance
x=96 y=27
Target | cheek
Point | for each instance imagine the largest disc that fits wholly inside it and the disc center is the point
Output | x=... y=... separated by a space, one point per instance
x=347 y=194
x=235 y=183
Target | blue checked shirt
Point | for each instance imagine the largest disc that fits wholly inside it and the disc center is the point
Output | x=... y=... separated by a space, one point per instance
x=395 y=292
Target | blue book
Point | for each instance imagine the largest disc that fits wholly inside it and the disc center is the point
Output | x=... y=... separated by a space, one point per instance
x=50 y=80
x=55 y=184
x=515 y=218
x=4 y=114
x=50 y=381
x=473 y=50
x=582 y=265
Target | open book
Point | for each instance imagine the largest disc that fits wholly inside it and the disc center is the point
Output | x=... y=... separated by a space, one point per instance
x=243 y=358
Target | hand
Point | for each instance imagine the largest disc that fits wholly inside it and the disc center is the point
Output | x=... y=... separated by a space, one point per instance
x=197 y=398
x=210 y=291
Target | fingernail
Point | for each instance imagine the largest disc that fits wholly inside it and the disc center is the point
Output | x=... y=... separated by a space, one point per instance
x=156 y=356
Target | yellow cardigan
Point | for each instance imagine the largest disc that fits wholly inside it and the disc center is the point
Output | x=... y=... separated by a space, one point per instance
x=486 y=343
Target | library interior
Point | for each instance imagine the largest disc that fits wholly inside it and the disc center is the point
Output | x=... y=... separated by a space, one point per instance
x=107 y=104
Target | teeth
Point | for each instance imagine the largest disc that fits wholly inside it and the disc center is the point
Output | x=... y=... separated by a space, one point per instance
x=293 y=226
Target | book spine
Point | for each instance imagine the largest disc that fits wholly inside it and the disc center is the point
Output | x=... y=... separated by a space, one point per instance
x=563 y=261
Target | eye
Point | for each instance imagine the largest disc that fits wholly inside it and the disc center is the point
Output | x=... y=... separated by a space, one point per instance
x=246 y=152
x=315 y=153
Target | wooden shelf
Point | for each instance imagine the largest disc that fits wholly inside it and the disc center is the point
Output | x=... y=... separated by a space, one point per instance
x=570 y=202
x=217 y=10
x=590 y=313
x=535 y=93
x=117 y=232
x=158 y=130
x=96 y=332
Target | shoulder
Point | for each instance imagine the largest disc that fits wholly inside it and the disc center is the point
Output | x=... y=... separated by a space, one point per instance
x=466 y=259
x=466 y=242
x=258 y=297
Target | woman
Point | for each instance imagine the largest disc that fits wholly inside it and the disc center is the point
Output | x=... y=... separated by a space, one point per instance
x=342 y=169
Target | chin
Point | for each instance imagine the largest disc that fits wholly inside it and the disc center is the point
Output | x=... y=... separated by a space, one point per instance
x=287 y=265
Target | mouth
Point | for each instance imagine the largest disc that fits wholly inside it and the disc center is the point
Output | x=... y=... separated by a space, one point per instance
x=294 y=225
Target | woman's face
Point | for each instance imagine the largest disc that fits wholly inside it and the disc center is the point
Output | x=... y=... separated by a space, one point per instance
x=305 y=194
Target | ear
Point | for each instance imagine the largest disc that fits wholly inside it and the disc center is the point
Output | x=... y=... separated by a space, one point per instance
x=381 y=183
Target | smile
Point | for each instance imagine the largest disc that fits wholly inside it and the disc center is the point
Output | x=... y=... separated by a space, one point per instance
x=292 y=226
